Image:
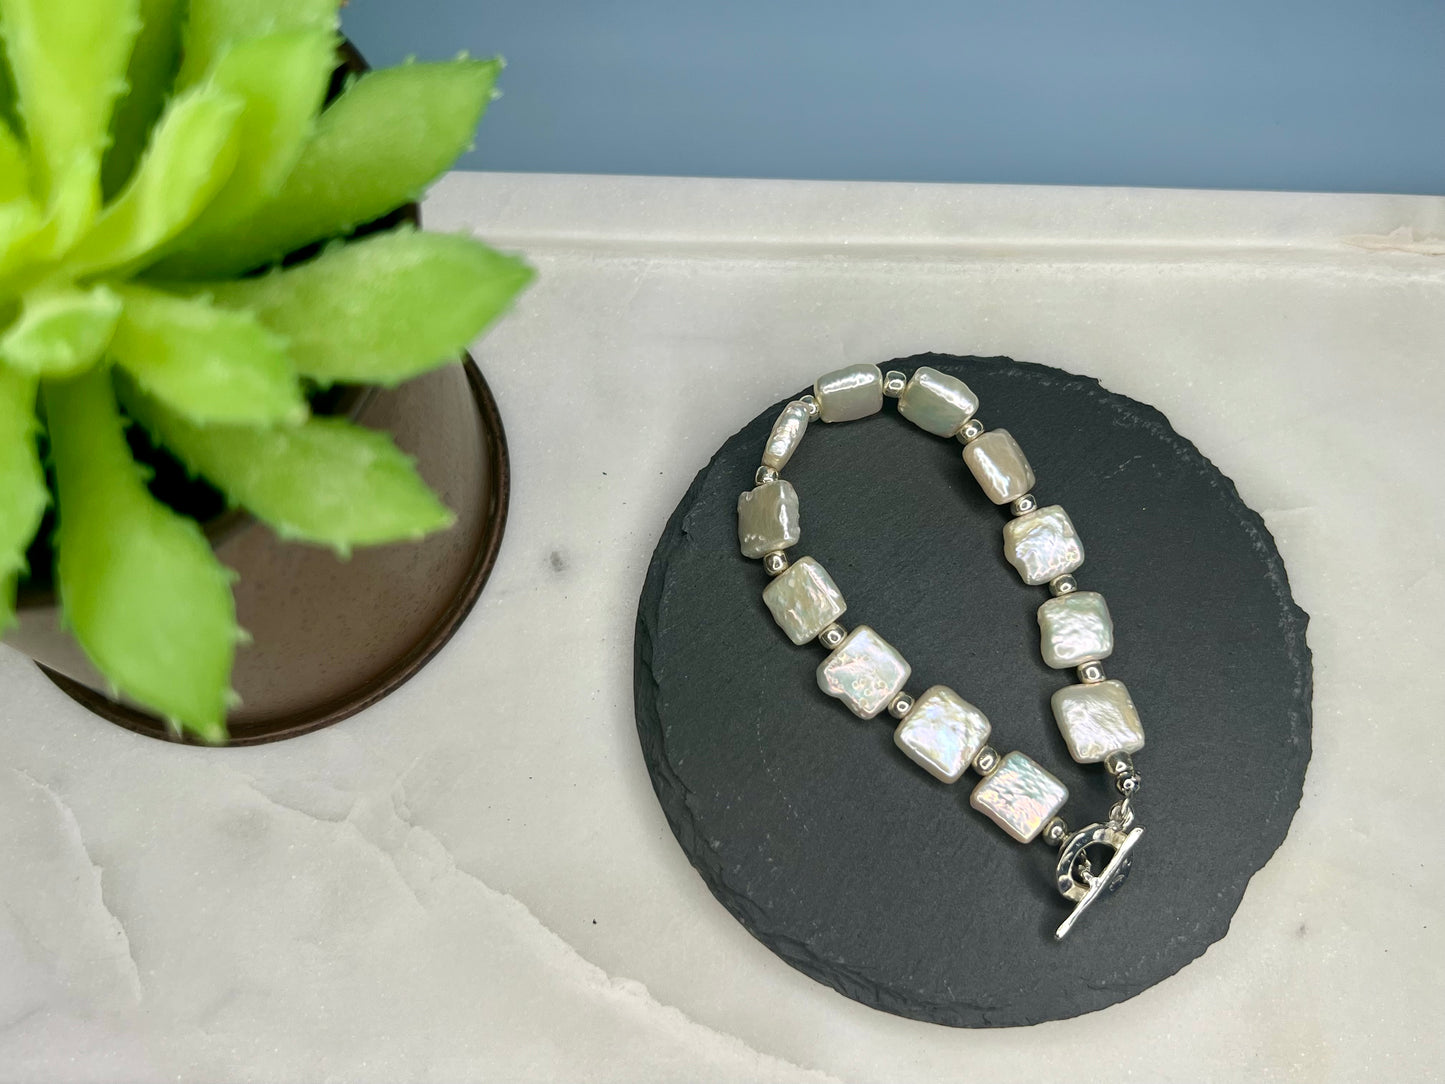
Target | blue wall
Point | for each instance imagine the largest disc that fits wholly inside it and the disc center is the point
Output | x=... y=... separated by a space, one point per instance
x=1336 y=95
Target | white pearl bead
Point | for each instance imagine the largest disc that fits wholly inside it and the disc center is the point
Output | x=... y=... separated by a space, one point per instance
x=1019 y=797
x=942 y=733
x=936 y=402
x=865 y=671
x=1097 y=720
x=787 y=434
x=1075 y=628
x=998 y=463
x=804 y=600
x=847 y=394
x=1042 y=544
x=768 y=519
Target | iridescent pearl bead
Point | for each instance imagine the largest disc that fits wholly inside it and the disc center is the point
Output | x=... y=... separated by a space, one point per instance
x=804 y=600
x=787 y=434
x=936 y=402
x=847 y=394
x=1019 y=797
x=1097 y=720
x=1075 y=628
x=865 y=671
x=1042 y=544
x=998 y=464
x=768 y=519
x=942 y=732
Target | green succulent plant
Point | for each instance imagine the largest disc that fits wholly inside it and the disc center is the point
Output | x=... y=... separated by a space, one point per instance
x=158 y=158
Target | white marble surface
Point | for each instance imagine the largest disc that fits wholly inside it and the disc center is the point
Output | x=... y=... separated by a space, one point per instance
x=473 y=880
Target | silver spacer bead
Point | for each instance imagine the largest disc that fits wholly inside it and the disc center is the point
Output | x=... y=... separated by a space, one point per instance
x=764 y=476
x=1062 y=585
x=971 y=431
x=1022 y=506
x=1121 y=766
x=810 y=404
x=832 y=636
x=1055 y=832
x=775 y=563
x=986 y=760
x=900 y=706
x=1117 y=763
x=894 y=382
x=1091 y=673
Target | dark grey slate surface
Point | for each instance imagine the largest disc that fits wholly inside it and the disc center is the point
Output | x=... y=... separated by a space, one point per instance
x=850 y=862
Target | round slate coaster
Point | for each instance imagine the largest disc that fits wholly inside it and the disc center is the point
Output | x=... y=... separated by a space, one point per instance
x=848 y=860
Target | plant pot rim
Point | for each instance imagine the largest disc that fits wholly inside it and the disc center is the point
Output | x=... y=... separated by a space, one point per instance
x=217 y=528
x=404 y=667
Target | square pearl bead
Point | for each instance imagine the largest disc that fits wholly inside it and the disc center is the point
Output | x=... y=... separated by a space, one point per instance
x=804 y=600
x=865 y=672
x=942 y=733
x=1097 y=720
x=768 y=519
x=847 y=394
x=1042 y=544
x=998 y=463
x=1075 y=628
x=936 y=402
x=787 y=433
x=1019 y=797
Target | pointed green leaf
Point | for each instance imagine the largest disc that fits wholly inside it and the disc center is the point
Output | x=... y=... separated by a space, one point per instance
x=191 y=154
x=68 y=61
x=14 y=166
x=19 y=217
x=152 y=70
x=139 y=586
x=375 y=148
x=282 y=79
x=206 y=363
x=23 y=495
x=214 y=26
x=8 y=588
x=60 y=333
x=7 y=89
x=382 y=309
x=20 y=220
x=326 y=481
x=52 y=230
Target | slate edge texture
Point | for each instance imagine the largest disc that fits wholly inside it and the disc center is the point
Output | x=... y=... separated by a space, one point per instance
x=674 y=797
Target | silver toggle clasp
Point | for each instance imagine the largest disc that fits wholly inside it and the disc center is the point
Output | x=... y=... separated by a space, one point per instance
x=1076 y=878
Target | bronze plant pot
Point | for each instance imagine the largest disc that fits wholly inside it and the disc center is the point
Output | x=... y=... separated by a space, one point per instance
x=332 y=636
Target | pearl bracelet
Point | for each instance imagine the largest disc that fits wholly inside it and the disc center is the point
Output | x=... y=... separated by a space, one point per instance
x=939 y=730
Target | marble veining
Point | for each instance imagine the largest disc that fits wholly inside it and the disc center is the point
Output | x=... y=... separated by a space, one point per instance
x=473 y=986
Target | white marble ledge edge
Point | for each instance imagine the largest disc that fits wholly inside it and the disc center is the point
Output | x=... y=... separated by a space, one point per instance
x=897 y=218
